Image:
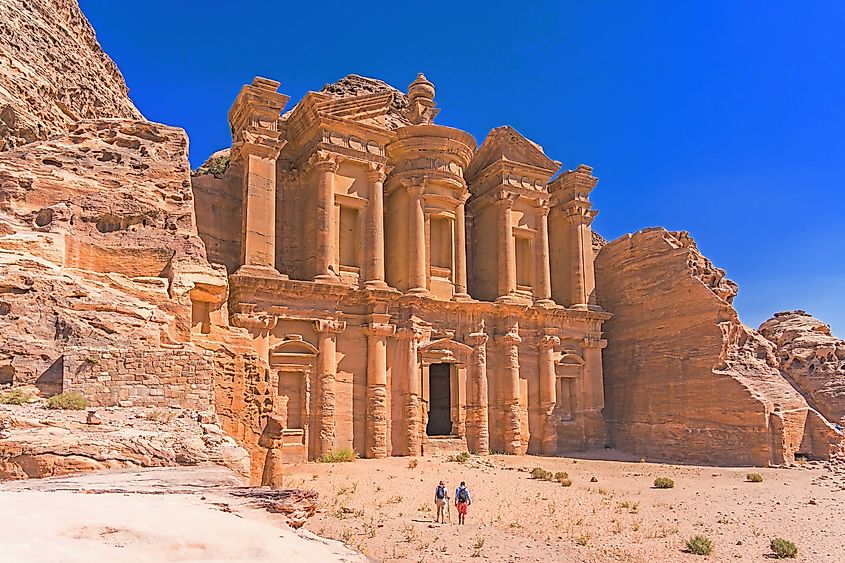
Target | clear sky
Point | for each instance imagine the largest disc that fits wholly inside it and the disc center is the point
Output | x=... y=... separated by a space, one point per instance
x=721 y=118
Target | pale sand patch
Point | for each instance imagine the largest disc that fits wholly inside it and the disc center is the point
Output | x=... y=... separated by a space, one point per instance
x=56 y=525
x=386 y=509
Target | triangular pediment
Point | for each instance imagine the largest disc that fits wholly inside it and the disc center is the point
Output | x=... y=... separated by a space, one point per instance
x=370 y=109
x=508 y=145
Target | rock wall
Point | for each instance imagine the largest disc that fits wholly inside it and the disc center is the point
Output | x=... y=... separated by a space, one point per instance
x=812 y=359
x=53 y=72
x=684 y=379
x=140 y=377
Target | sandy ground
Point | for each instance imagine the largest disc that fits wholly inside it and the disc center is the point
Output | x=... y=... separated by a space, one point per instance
x=54 y=520
x=384 y=508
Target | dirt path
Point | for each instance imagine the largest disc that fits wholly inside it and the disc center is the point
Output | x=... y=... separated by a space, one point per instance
x=385 y=509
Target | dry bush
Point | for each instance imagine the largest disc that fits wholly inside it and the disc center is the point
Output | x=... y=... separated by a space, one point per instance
x=754 y=477
x=663 y=483
x=162 y=415
x=15 y=397
x=413 y=464
x=700 y=545
x=783 y=549
x=67 y=401
x=541 y=474
x=338 y=456
x=462 y=457
x=583 y=539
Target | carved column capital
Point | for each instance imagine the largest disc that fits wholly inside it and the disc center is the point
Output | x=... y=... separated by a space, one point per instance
x=511 y=337
x=254 y=321
x=594 y=343
x=477 y=339
x=541 y=207
x=324 y=161
x=505 y=199
x=408 y=333
x=549 y=341
x=377 y=173
x=380 y=329
x=330 y=326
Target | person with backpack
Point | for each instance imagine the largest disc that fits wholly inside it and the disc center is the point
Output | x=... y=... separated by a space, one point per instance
x=462 y=502
x=440 y=499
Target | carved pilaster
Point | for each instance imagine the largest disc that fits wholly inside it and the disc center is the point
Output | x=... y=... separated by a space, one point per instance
x=325 y=165
x=478 y=433
x=327 y=374
x=375 y=247
x=548 y=395
x=417 y=242
x=509 y=343
x=411 y=337
x=378 y=421
x=507 y=246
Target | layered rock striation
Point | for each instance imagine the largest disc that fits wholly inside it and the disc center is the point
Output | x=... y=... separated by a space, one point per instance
x=53 y=72
x=684 y=379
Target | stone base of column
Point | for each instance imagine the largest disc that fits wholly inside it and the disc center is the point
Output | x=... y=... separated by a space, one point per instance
x=545 y=303
x=377 y=422
x=478 y=440
x=327 y=422
x=586 y=307
x=327 y=278
x=375 y=284
x=419 y=291
x=260 y=271
x=461 y=297
x=548 y=441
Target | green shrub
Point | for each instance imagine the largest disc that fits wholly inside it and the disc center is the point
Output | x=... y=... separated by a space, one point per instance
x=462 y=457
x=15 y=397
x=67 y=401
x=541 y=474
x=664 y=483
x=783 y=549
x=754 y=477
x=561 y=475
x=341 y=455
x=566 y=482
x=699 y=545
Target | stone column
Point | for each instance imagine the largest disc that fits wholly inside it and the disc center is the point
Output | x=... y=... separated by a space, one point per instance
x=543 y=287
x=377 y=416
x=375 y=229
x=413 y=419
x=510 y=391
x=478 y=432
x=507 y=249
x=416 y=242
x=327 y=373
x=326 y=270
x=461 y=252
x=548 y=393
x=592 y=402
x=259 y=207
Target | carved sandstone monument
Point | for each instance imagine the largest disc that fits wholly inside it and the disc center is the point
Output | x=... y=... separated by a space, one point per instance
x=352 y=274
x=408 y=292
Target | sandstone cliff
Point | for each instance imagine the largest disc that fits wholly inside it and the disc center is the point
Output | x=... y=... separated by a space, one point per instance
x=684 y=379
x=53 y=72
x=812 y=359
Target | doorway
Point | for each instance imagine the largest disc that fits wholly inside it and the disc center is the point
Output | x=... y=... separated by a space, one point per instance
x=440 y=400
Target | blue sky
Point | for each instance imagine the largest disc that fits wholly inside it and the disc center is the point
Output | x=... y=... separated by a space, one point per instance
x=721 y=118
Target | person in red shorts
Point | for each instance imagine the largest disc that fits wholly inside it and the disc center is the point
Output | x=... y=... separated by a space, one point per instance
x=462 y=502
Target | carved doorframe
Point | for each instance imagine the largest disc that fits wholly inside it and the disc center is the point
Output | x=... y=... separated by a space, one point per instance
x=458 y=356
x=293 y=355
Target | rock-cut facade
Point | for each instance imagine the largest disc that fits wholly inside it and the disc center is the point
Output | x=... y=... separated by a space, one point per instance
x=409 y=291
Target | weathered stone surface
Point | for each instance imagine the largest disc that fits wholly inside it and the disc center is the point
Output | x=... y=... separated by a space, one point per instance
x=684 y=379
x=53 y=72
x=812 y=359
x=43 y=443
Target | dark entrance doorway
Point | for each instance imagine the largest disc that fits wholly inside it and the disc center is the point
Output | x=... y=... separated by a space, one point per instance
x=440 y=400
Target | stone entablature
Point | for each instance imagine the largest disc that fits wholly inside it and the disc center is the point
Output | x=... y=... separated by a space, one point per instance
x=142 y=377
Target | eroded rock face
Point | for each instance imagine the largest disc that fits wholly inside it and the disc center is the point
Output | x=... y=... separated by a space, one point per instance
x=53 y=72
x=812 y=358
x=98 y=245
x=41 y=443
x=684 y=379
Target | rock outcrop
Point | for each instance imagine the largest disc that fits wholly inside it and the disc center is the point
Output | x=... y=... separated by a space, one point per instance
x=684 y=379
x=53 y=72
x=812 y=359
x=41 y=443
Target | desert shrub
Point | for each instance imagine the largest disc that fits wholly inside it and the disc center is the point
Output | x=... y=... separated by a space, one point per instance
x=413 y=464
x=566 y=482
x=700 y=545
x=15 y=397
x=541 y=474
x=341 y=455
x=462 y=457
x=783 y=549
x=561 y=475
x=67 y=401
x=754 y=477
x=583 y=539
x=663 y=483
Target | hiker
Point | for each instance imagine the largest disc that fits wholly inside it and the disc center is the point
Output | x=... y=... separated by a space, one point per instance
x=440 y=499
x=462 y=502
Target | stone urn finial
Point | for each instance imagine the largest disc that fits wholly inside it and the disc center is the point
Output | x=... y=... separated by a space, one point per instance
x=421 y=108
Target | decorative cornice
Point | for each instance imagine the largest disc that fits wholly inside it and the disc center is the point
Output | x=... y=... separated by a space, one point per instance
x=333 y=326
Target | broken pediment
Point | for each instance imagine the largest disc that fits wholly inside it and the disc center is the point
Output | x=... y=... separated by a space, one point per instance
x=506 y=145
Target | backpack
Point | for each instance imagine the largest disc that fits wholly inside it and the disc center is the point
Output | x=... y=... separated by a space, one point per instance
x=463 y=495
x=441 y=492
